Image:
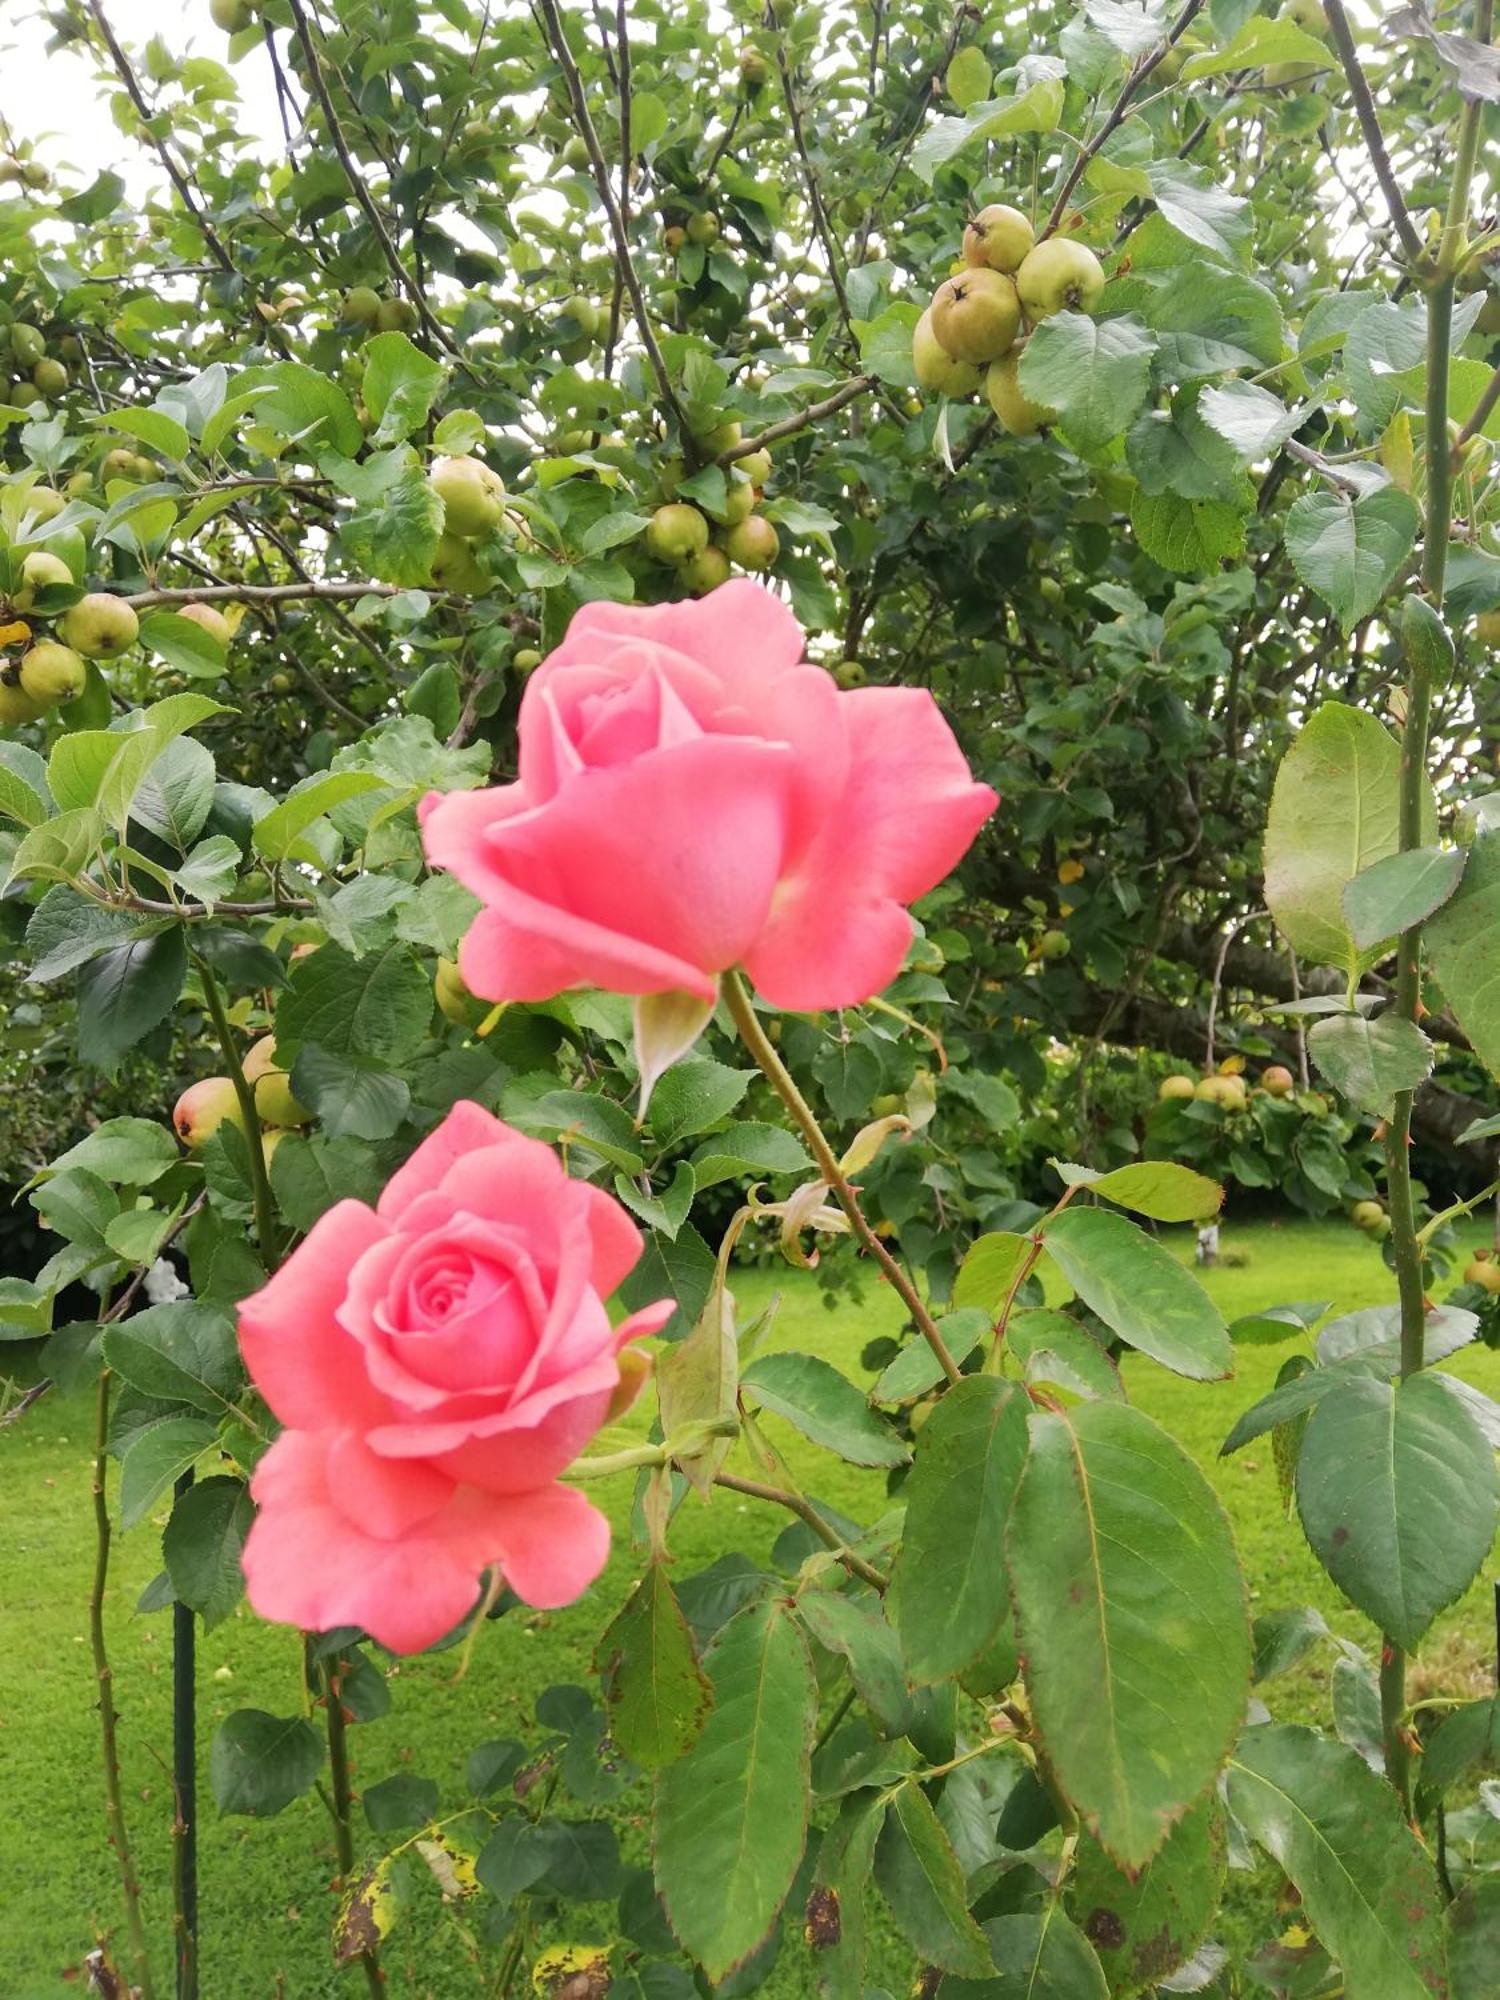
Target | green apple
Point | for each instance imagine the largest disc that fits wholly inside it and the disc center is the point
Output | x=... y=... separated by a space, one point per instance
x=39 y=571
x=676 y=533
x=361 y=305
x=936 y=369
x=1172 y=1087
x=49 y=378
x=27 y=343
x=42 y=503
x=455 y=1002
x=1053 y=945
x=1277 y=1081
x=1059 y=275
x=454 y=567
x=1016 y=411
x=753 y=543
x=755 y=68
x=233 y=16
x=976 y=315
x=51 y=673
x=703 y=229
x=16 y=706
x=739 y=501
x=99 y=626
x=209 y=620
x=473 y=496
x=706 y=570
x=396 y=316
x=998 y=238
x=756 y=466
x=526 y=660
x=274 y=1102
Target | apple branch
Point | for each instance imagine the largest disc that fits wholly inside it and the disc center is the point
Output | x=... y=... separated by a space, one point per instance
x=625 y=264
x=175 y=174
x=1478 y=417
x=358 y=189
x=821 y=225
x=789 y=426
x=260 y=593
x=1369 y=125
x=1135 y=76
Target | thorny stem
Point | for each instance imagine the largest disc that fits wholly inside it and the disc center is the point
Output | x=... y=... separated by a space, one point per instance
x=742 y=1012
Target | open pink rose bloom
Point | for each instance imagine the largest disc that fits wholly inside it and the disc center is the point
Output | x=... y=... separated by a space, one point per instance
x=694 y=796
x=437 y=1362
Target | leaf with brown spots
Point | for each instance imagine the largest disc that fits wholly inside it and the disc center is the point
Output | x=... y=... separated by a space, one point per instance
x=1142 y=1930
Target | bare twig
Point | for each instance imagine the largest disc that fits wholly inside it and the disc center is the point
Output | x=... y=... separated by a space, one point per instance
x=557 y=36
x=1369 y=125
x=1139 y=70
x=825 y=1531
x=788 y=426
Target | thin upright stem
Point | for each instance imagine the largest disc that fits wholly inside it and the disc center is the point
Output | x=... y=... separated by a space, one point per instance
x=343 y=1801
x=753 y=1035
x=260 y=1182
x=114 y=1805
x=185 y=1786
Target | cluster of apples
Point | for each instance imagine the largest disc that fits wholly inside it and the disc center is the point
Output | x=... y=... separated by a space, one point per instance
x=27 y=370
x=702 y=551
x=203 y=1107
x=972 y=334
x=473 y=498
x=1226 y=1088
x=50 y=671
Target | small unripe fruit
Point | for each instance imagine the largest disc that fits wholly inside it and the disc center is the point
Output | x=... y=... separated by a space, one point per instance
x=455 y=1002
x=213 y=622
x=1367 y=1215
x=526 y=660
x=1172 y=1087
x=576 y=152
x=99 y=626
x=706 y=571
x=1483 y=1271
x=51 y=673
x=1487 y=628
x=203 y=1108
x=703 y=229
x=977 y=315
x=1228 y=1092
x=39 y=571
x=755 y=67
x=583 y=313
x=998 y=238
x=233 y=16
x=26 y=343
x=1053 y=945
x=756 y=466
x=1015 y=409
x=42 y=503
x=395 y=316
x=117 y=464
x=16 y=706
x=938 y=372
x=274 y=1102
x=849 y=673
x=739 y=502
x=673 y=237
x=473 y=496
x=676 y=533
x=49 y=378
x=1277 y=1081
x=753 y=543
x=723 y=437
x=1059 y=275
x=454 y=567
x=362 y=305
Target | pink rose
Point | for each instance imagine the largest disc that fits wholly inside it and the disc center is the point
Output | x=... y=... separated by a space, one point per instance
x=437 y=1361
x=694 y=796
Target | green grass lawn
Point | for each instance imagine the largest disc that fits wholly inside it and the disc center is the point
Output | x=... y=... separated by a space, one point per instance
x=264 y=1884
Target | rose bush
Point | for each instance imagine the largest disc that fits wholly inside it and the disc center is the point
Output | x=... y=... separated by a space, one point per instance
x=437 y=1360
x=694 y=796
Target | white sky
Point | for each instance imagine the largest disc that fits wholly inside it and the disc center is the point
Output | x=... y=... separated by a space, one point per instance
x=53 y=98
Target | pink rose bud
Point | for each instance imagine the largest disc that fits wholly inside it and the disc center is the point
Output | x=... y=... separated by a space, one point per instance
x=694 y=796
x=437 y=1362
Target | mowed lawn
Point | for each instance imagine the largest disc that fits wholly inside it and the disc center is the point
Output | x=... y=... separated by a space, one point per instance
x=265 y=1901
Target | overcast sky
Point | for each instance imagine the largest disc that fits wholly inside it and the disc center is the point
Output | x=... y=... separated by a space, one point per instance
x=54 y=99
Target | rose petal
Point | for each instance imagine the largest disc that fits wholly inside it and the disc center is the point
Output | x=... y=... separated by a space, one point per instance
x=467 y=1127
x=555 y=1543
x=299 y=1355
